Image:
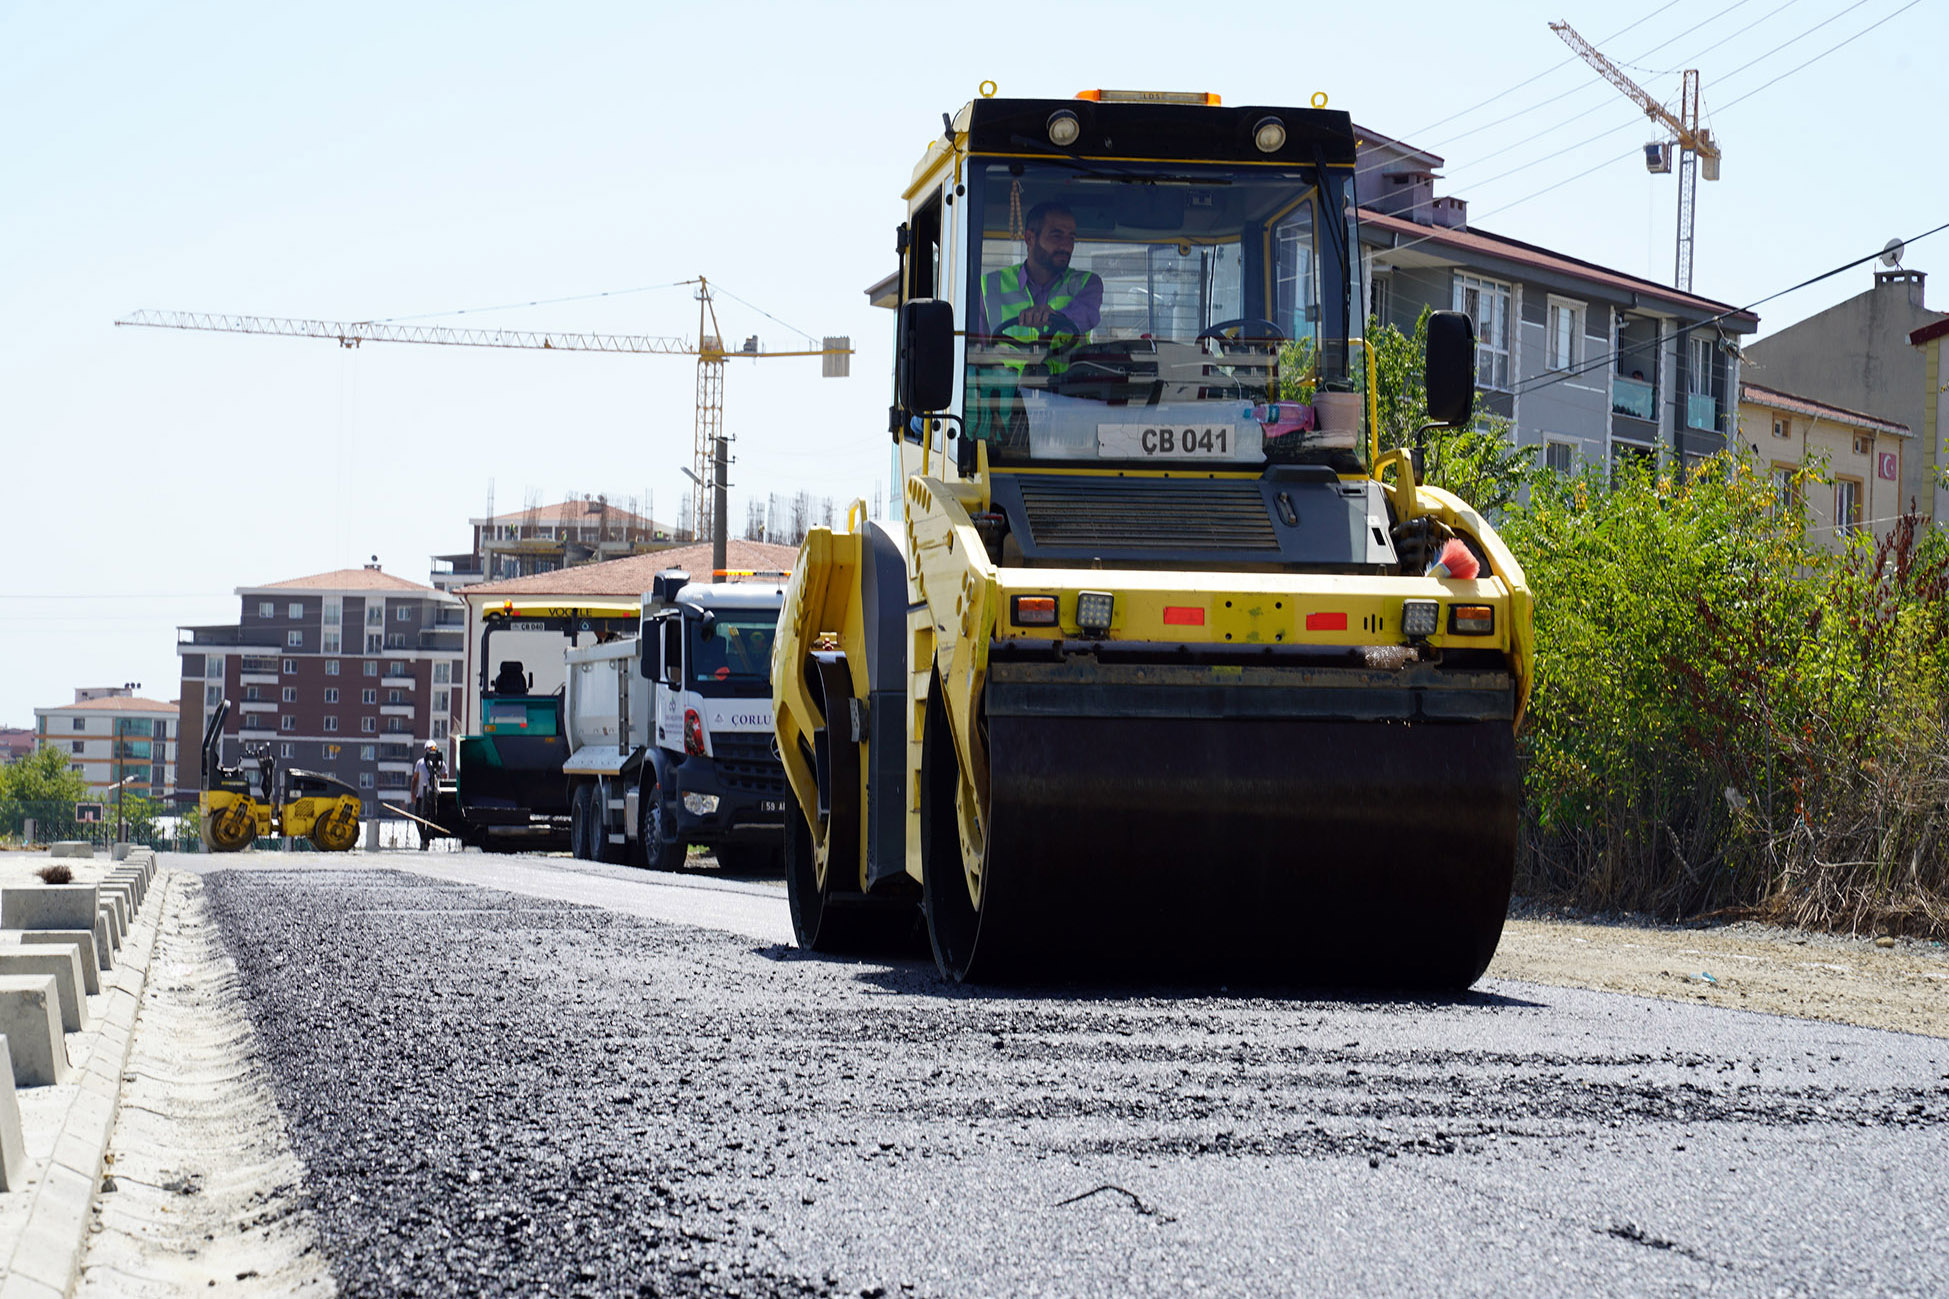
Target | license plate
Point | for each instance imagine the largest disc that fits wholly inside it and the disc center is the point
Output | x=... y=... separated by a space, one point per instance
x=1167 y=441
x=772 y=805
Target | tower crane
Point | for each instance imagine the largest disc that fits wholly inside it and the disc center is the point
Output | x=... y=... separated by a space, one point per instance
x=1693 y=141
x=709 y=350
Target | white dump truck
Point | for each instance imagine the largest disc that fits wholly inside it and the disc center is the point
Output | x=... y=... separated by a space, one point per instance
x=671 y=730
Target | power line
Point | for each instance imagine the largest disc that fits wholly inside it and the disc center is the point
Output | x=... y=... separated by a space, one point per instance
x=1591 y=364
x=766 y=314
x=1838 y=13
x=1824 y=53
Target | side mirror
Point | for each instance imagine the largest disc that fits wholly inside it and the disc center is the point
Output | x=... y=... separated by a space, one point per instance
x=709 y=623
x=924 y=370
x=1450 y=368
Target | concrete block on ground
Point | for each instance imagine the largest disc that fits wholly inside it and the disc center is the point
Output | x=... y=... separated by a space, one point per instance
x=13 y=1140
x=129 y=884
x=120 y=851
x=82 y=940
x=30 y=1020
x=106 y=913
x=118 y=901
x=49 y=906
x=71 y=848
x=64 y=963
x=133 y=878
x=105 y=944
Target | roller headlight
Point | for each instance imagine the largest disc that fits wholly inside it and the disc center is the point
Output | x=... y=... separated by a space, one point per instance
x=1094 y=610
x=1064 y=128
x=1420 y=617
x=1269 y=135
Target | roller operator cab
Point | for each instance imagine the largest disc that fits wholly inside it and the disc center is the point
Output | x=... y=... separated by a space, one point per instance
x=1164 y=667
x=672 y=730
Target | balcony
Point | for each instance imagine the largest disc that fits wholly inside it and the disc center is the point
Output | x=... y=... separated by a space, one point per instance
x=1634 y=397
x=395 y=710
x=1701 y=410
x=450 y=641
x=227 y=636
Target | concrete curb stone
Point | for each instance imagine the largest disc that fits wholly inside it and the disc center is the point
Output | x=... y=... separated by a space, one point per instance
x=43 y=1261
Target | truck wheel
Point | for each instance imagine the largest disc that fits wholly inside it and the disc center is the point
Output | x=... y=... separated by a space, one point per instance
x=600 y=849
x=578 y=822
x=659 y=852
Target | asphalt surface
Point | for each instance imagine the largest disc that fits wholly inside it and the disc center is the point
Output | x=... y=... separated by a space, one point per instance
x=503 y=1092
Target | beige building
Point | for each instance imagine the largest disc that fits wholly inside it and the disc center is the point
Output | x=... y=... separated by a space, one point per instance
x=1858 y=460
x=110 y=735
x=546 y=538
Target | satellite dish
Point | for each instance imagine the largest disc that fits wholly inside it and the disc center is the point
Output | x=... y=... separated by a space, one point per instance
x=1891 y=253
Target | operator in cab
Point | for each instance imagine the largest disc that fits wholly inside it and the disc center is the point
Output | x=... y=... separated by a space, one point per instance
x=1043 y=298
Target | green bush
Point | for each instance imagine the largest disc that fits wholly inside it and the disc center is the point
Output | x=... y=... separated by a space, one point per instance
x=1725 y=715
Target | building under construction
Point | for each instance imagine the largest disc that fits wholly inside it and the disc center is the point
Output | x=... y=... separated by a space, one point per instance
x=544 y=538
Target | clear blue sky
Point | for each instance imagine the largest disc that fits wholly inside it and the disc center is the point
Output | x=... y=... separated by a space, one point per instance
x=363 y=161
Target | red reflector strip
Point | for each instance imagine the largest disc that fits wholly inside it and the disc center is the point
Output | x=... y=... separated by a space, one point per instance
x=1183 y=615
x=1326 y=622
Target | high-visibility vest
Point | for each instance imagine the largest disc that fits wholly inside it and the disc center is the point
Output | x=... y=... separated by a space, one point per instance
x=1005 y=295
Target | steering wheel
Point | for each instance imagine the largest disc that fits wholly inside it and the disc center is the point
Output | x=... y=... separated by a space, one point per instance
x=1244 y=329
x=1058 y=324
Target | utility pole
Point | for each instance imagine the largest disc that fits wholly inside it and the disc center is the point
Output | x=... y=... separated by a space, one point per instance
x=720 y=508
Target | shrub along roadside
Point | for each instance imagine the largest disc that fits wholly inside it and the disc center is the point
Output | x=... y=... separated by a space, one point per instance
x=1726 y=716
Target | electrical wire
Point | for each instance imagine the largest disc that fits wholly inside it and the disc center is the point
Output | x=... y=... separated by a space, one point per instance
x=766 y=314
x=1838 y=13
x=1590 y=364
x=1824 y=53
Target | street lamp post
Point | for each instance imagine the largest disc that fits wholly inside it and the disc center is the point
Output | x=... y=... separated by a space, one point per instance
x=118 y=807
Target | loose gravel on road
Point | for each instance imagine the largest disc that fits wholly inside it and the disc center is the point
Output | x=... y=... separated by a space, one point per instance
x=507 y=1094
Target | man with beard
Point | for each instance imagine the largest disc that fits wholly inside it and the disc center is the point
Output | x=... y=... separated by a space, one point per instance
x=1042 y=299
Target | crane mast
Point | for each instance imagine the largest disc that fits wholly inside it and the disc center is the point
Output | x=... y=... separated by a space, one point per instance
x=1693 y=141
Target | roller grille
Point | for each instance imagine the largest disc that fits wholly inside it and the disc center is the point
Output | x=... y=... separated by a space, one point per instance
x=1148 y=514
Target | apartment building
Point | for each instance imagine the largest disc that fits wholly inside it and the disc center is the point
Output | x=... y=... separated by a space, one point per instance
x=1856 y=461
x=1587 y=363
x=110 y=735
x=349 y=673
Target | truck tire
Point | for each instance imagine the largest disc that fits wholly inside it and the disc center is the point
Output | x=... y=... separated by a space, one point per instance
x=658 y=853
x=597 y=835
x=579 y=803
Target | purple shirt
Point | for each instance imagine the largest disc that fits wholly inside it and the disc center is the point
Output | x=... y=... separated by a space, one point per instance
x=1086 y=308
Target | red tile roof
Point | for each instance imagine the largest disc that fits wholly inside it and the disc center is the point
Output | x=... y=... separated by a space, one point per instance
x=1929 y=333
x=1514 y=250
x=1774 y=399
x=342 y=579
x=631 y=576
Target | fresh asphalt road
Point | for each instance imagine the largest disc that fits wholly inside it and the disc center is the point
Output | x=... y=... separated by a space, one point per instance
x=528 y=1075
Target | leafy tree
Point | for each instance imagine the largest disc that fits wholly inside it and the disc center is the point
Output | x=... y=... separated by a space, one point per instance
x=42 y=776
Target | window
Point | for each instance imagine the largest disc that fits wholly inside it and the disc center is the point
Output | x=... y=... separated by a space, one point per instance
x=250 y=694
x=331 y=723
x=442 y=672
x=395 y=669
x=80 y=746
x=1377 y=292
x=294 y=640
x=290 y=665
x=80 y=723
x=365 y=780
x=367 y=751
x=287 y=723
x=1864 y=444
x=333 y=609
x=1560 y=457
x=1782 y=427
x=158 y=777
x=1699 y=376
x=328 y=641
x=1487 y=304
x=393 y=696
x=402 y=613
x=1566 y=331
x=1847 y=507
x=368 y=696
x=75 y=767
x=439 y=729
x=371 y=668
x=213 y=669
x=296 y=609
x=367 y=725
x=212 y=696
x=285 y=750
x=267 y=609
x=396 y=641
x=331 y=694
x=374 y=642
x=331 y=667
x=375 y=614
x=394 y=725
x=1786 y=491
x=440 y=698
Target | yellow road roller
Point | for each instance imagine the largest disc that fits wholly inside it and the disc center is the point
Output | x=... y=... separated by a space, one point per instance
x=258 y=797
x=1163 y=668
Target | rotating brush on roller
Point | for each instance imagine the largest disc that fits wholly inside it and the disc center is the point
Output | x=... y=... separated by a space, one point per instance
x=1164 y=669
